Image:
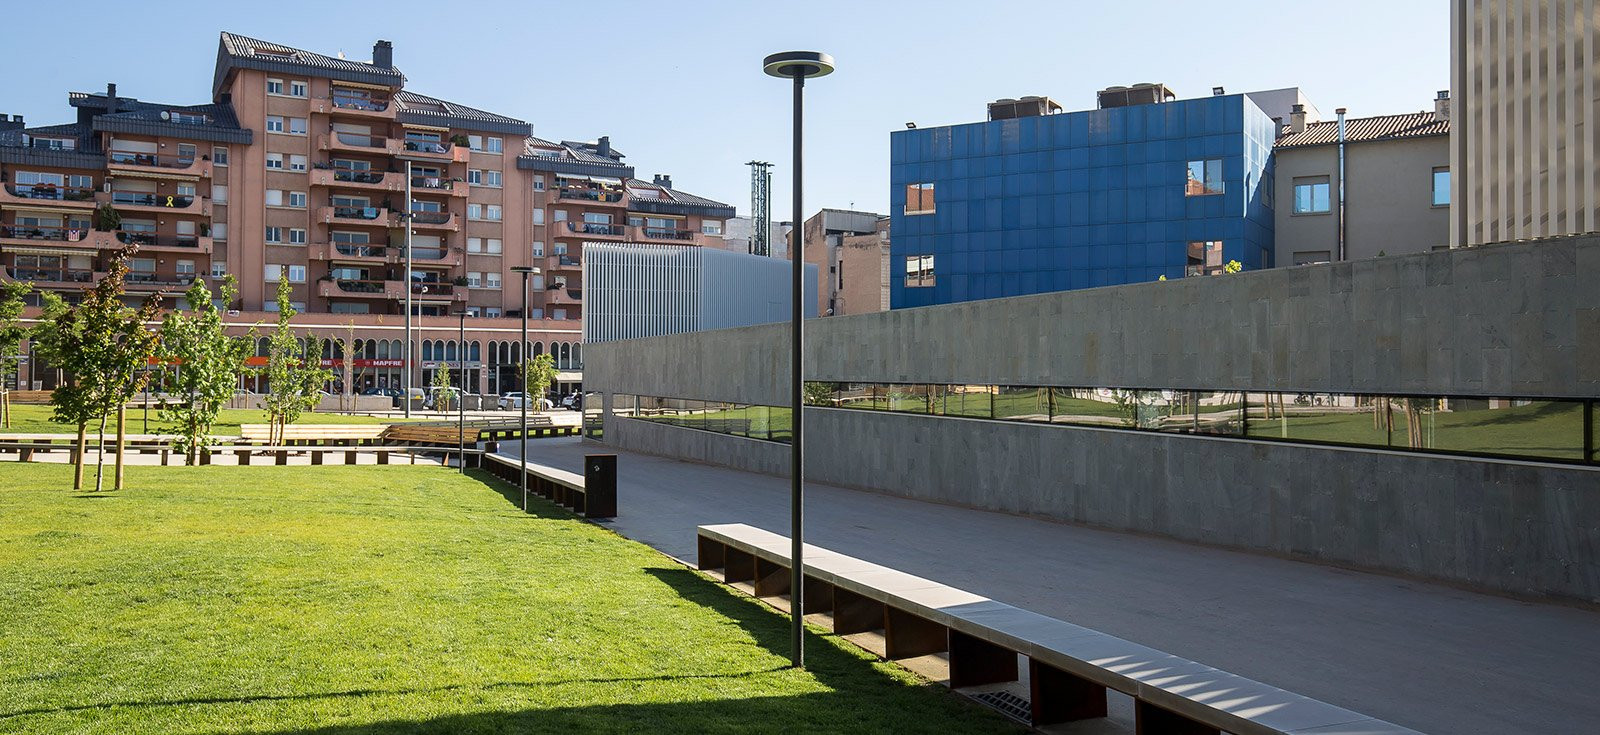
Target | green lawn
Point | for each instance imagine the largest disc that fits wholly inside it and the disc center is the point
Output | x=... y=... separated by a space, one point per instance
x=391 y=600
x=34 y=419
x=1542 y=429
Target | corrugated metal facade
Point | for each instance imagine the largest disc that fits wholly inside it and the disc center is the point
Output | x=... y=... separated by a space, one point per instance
x=1526 y=123
x=633 y=291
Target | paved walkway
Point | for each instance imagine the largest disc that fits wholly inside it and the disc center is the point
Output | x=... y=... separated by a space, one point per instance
x=1426 y=656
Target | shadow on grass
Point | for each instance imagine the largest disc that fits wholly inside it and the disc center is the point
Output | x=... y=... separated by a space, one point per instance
x=538 y=506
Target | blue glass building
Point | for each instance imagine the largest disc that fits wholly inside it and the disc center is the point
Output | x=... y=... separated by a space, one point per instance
x=1080 y=199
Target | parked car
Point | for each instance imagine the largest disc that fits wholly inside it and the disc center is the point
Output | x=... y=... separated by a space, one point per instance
x=513 y=402
x=573 y=401
x=390 y=392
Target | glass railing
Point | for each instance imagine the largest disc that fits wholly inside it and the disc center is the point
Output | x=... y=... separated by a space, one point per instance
x=429 y=253
x=359 y=103
x=148 y=278
x=360 y=140
x=659 y=233
x=430 y=218
x=149 y=159
x=32 y=232
x=592 y=195
x=51 y=191
x=431 y=182
x=357 y=212
x=436 y=288
x=593 y=228
x=169 y=201
x=767 y=423
x=566 y=260
x=150 y=239
x=358 y=177
x=426 y=146
x=355 y=250
x=55 y=275
x=350 y=286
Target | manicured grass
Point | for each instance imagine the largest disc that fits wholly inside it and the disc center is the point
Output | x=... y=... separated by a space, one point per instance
x=391 y=600
x=1542 y=429
x=35 y=419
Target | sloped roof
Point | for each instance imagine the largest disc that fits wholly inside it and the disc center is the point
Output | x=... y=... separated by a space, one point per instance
x=15 y=149
x=1367 y=129
x=673 y=201
x=569 y=157
x=147 y=118
x=242 y=52
x=425 y=110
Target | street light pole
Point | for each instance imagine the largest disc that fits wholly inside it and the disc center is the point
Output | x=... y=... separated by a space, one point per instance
x=405 y=372
x=797 y=65
x=461 y=400
x=522 y=352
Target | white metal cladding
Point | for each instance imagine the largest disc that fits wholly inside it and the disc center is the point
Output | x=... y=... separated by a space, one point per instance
x=1525 y=128
x=636 y=290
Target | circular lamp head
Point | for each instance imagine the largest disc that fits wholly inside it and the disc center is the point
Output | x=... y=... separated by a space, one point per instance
x=805 y=64
x=524 y=269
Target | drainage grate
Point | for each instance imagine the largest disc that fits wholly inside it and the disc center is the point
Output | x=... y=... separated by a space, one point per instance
x=1008 y=704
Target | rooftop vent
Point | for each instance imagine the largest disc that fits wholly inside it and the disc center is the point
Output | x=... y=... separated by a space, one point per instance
x=1030 y=106
x=383 y=55
x=11 y=122
x=1144 y=93
x=663 y=180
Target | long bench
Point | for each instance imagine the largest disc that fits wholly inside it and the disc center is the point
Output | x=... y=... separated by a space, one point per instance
x=568 y=489
x=1069 y=668
x=293 y=434
x=244 y=455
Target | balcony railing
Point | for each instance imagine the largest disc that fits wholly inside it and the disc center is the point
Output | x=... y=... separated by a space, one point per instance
x=147 y=278
x=52 y=192
x=429 y=253
x=432 y=182
x=436 y=147
x=150 y=239
x=58 y=275
x=169 y=201
x=661 y=233
x=358 y=140
x=32 y=232
x=594 y=228
x=357 y=250
x=357 y=177
x=432 y=288
x=430 y=218
x=358 y=103
x=591 y=195
x=128 y=158
x=567 y=260
x=357 y=212
x=349 y=286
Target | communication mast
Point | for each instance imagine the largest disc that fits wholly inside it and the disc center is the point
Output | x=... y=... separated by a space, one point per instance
x=760 y=207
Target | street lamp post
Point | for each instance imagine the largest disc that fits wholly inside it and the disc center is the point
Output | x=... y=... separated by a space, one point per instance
x=522 y=352
x=461 y=400
x=405 y=372
x=797 y=66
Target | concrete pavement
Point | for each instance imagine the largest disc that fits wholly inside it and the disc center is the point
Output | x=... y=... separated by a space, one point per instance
x=1426 y=656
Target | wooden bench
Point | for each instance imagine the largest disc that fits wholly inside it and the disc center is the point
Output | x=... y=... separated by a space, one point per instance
x=309 y=434
x=1070 y=668
x=567 y=489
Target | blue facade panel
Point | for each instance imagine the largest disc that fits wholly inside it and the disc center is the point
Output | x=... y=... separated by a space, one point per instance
x=1078 y=200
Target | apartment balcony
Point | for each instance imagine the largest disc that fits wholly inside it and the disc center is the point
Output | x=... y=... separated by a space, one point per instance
x=349 y=252
x=429 y=257
x=563 y=295
x=437 y=291
x=33 y=235
x=367 y=216
x=146 y=282
x=598 y=197
x=372 y=145
x=366 y=180
x=429 y=150
x=129 y=162
x=56 y=277
x=445 y=221
x=354 y=289
x=372 y=108
x=51 y=196
x=135 y=201
x=153 y=242
x=660 y=234
x=591 y=231
x=563 y=263
x=440 y=185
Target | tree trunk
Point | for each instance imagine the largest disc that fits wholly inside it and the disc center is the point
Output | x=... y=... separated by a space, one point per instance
x=78 y=456
x=100 y=456
x=122 y=443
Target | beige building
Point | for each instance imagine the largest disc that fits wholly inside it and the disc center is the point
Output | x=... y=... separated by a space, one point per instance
x=824 y=233
x=1396 y=187
x=862 y=279
x=1527 y=119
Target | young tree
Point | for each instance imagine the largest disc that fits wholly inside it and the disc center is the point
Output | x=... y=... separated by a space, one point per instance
x=294 y=370
x=441 y=387
x=208 y=366
x=347 y=353
x=105 y=349
x=538 y=374
x=11 y=335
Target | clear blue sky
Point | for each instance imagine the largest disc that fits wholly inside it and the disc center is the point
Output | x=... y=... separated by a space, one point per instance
x=678 y=85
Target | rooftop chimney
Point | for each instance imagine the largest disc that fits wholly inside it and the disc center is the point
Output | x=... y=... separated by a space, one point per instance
x=12 y=122
x=664 y=181
x=111 y=98
x=1441 y=105
x=383 y=55
x=603 y=146
x=1297 y=119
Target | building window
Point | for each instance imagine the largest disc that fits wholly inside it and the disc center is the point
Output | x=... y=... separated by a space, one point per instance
x=219 y=155
x=297 y=126
x=297 y=273
x=492 y=212
x=558 y=313
x=492 y=178
x=1204 y=178
x=560 y=248
x=187 y=152
x=474 y=279
x=919 y=198
x=538 y=216
x=1441 y=186
x=711 y=226
x=274 y=124
x=475 y=142
x=185 y=268
x=491 y=280
x=185 y=189
x=274 y=197
x=297 y=236
x=274 y=161
x=219 y=193
x=538 y=249
x=919 y=271
x=538 y=182
x=219 y=268
x=474 y=211
x=297 y=199
x=1311 y=195
x=297 y=163
x=492 y=246
x=474 y=244
x=1205 y=258
x=475 y=177
x=274 y=86
x=561 y=215
x=219 y=230
x=274 y=234
x=297 y=89
x=492 y=312
x=273 y=272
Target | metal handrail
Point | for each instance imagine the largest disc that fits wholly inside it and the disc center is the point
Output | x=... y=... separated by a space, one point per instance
x=51 y=191
x=357 y=177
x=170 y=201
x=593 y=228
x=149 y=159
x=32 y=232
x=427 y=146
